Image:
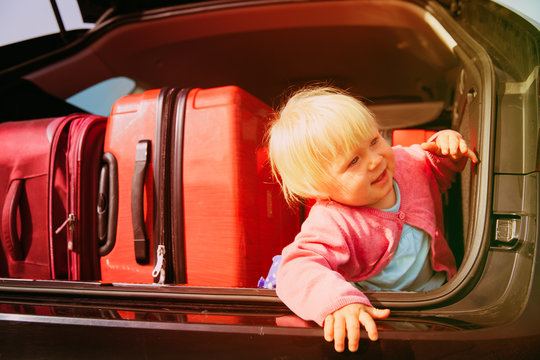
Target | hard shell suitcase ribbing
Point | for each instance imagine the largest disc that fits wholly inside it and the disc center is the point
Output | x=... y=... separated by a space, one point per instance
x=235 y=215
x=49 y=178
x=197 y=204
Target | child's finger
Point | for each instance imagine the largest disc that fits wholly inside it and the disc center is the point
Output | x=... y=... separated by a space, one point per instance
x=353 y=332
x=340 y=333
x=378 y=313
x=471 y=155
x=329 y=328
x=430 y=146
x=443 y=145
x=368 y=322
x=465 y=150
x=453 y=145
x=463 y=147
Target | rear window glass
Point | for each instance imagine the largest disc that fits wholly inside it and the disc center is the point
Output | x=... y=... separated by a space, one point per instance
x=99 y=98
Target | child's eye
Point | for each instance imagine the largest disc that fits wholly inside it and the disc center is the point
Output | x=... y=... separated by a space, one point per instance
x=374 y=141
x=354 y=161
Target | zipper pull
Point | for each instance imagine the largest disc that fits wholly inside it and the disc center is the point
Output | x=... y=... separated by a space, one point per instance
x=159 y=269
x=70 y=221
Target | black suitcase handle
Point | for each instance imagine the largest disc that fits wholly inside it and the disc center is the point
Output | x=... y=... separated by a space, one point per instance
x=141 y=241
x=10 y=237
x=107 y=207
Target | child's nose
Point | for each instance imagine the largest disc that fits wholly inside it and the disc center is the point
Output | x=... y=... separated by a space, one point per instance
x=374 y=161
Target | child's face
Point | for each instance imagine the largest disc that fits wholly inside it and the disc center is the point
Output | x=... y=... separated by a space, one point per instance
x=364 y=176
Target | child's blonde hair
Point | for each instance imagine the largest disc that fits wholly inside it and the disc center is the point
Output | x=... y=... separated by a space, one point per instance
x=316 y=125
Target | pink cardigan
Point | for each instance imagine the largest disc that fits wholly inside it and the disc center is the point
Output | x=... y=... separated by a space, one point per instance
x=338 y=243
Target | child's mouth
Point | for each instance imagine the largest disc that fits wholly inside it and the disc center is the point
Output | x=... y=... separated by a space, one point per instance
x=380 y=179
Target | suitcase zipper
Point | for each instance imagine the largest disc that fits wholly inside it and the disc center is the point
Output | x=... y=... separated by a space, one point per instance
x=159 y=270
x=161 y=158
x=168 y=231
x=168 y=137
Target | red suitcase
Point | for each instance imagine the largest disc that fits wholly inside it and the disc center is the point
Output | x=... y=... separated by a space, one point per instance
x=49 y=192
x=408 y=137
x=197 y=204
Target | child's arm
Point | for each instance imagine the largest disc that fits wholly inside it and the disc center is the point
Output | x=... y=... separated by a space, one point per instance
x=345 y=323
x=312 y=278
x=450 y=144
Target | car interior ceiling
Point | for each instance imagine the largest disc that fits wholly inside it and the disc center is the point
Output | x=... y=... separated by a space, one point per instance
x=388 y=55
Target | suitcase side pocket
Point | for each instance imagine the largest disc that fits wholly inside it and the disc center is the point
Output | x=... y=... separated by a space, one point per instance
x=10 y=237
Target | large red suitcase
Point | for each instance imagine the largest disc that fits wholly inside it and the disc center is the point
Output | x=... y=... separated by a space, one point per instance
x=197 y=204
x=49 y=175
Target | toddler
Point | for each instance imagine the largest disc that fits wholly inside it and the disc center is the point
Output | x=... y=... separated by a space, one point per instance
x=377 y=221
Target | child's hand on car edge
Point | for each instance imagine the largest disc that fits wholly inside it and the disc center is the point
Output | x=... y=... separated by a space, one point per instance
x=345 y=323
x=451 y=144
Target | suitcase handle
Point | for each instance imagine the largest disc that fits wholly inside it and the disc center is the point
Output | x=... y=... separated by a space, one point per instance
x=10 y=237
x=107 y=208
x=141 y=242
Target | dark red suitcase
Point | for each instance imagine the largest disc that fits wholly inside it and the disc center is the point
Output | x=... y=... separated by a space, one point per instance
x=197 y=204
x=49 y=176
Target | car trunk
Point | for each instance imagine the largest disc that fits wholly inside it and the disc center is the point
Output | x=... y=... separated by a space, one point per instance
x=399 y=56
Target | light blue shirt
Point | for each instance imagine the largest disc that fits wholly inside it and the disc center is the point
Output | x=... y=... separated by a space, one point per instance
x=410 y=268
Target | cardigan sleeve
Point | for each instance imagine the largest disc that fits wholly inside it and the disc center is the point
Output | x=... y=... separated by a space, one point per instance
x=308 y=280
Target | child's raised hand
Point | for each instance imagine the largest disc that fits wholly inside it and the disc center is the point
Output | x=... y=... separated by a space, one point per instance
x=450 y=143
x=345 y=323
